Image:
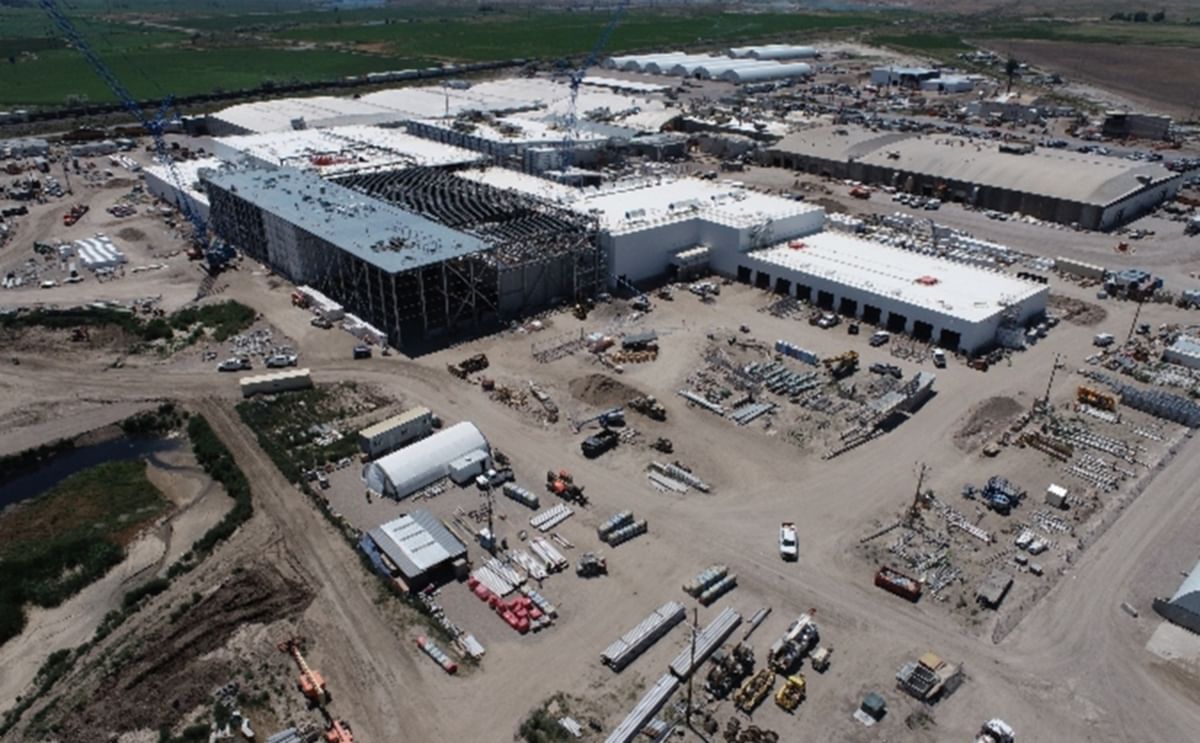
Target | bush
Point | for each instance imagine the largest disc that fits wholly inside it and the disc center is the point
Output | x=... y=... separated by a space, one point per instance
x=146 y=590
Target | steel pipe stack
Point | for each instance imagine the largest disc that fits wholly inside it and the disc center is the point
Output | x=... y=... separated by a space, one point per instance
x=717 y=590
x=639 y=639
x=709 y=639
x=708 y=577
x=551 y=517
x=626 y=533
x=613 y=523
x=647 y=707
x=439 y=656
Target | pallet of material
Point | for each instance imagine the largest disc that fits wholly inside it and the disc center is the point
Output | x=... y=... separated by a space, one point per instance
x=717 y=590
x=639 y=639
x=551 y=517
x=709 y=639
x=549 y=554
x=647 y=707
x=535 y=568
x=613 y=523
x=706 y=578
x=520 y=495
x=626 y=533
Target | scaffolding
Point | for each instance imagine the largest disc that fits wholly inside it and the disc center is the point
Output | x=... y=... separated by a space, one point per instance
x=492 y=257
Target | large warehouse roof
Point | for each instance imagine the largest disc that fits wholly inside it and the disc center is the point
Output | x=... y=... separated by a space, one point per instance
x=1072 y=176
x=345 y=149
x=386 y=236
x=416 y=542
x=316 y=111
x=1188 y=595
x=773 y=51
x=628 y=206
x=942 y=286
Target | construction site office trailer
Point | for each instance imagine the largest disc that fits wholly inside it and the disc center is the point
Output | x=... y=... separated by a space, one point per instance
x=396 y=431
x=284 y=381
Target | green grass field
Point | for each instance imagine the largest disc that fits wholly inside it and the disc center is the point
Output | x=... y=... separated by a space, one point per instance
x=929 y=43
x=1150 y=34
x=61 y=541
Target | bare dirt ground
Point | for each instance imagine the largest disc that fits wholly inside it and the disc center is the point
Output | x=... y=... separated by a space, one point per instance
x=1159 y=78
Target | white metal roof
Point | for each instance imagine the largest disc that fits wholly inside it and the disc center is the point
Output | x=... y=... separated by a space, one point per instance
x=415 y=466
x=767 y=71
x=278 y=376
x=946 y=287
x=388 y=424
x=416 y=542
x=347 y=149
x=317 y=111
x=618 y=84
x=773 y=51
x=189 y=175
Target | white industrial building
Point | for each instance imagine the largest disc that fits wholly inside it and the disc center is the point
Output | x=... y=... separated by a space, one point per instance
x=710 y=66
x=957 y=306
x=535 y=146
x=159 y=183
x=402 y=473
x=341 y=150
x=1185 y=351
x=396 y=431
x=416 y=548
x=646 y=226
x=949 y=84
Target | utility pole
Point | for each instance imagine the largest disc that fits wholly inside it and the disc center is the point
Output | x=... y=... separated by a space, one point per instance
x=1136 y=314
x=692 y=664
x=488 y=501
x=1053 y=371
x=915 y=509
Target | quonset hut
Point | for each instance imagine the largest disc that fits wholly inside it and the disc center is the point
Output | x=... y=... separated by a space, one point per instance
x=402 y=473
x=1183 y=608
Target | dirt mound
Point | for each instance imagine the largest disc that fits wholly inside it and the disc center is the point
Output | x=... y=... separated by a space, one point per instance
x=601 y=389
x=131 y=234
x=1075 y=311
x=167 y=673
x=986 y=420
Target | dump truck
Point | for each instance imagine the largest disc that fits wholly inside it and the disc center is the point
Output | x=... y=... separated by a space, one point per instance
x=596 y=444
x=754 y=690
x=792 y=693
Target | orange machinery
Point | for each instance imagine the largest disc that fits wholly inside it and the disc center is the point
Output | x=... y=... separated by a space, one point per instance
x=311 y=684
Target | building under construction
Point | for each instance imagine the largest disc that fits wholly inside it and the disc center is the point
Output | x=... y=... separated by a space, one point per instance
x=416 y=252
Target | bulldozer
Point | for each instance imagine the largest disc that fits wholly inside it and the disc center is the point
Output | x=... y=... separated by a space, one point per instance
x=843 y=365
x=663 y=445
x=468 y=366
x=562 y=484
x=591 y=565
x=649 y=407
x=310 y=683
x=754 y=690
x=792 y=693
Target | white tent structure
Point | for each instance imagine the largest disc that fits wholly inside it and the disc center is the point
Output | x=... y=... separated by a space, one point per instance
x=766 y=71
x=98 y=253
x=774 y=51
x=406 y=471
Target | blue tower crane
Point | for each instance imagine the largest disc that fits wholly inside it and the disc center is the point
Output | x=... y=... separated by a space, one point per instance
x=571 y=120
x=217 y=254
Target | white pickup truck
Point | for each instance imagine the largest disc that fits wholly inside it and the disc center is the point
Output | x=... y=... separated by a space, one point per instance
x=789 y=550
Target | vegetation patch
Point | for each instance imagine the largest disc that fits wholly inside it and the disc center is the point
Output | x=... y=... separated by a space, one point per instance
x=222 y=320
x=56 y=544
x=225 y=319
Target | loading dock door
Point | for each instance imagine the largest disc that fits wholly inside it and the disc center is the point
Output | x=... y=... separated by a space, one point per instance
x=825 y=300
x=896 y=322
x=949 y=340
x=783 y=286
x=804 y=292
x=922 y=331
x=848 y=307
x=762 y=280
x=743 y=275
x=871 y=315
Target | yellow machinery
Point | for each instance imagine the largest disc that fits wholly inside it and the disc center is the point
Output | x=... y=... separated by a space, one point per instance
x=792 y=693
x=1096 y=398
x=754 y=690
x=843 y=365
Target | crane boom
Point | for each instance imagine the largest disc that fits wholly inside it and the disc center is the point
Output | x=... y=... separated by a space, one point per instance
x=155 y=126
x=571 y=118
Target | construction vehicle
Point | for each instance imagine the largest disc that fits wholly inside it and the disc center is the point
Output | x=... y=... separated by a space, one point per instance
x=1096 y=398
x=591 y=565
x=663 y=445
x=729 y=670
x=610 y=418
x=299 y=299
x=860 y=192
x=649 y=407
x=820 y=659
x=563 y=485
x=597 y=444
x=468 y=366
x=792 y=693
x=310 y=683
x=843 y=365
x=582 y=308
x=800 y=637
x=789 y=549
x=996 y=731
x=754 y=690
x=75 y=214
x=338 y=731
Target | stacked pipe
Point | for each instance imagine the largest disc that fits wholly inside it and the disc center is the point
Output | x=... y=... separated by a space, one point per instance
x=718 y=589
x=536 y=569
x=705 y=579
x=520 y=495
x=626 y=533
x=679 y=473
x=613 y=523
x=551 y=517
x=639 y=639
x=647 y=707
x=706 y=642
x=439 y=656
x=549 y=554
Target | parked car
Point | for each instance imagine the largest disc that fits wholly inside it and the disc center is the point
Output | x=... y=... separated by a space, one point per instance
x=320 y=322
x=280 y=360
x=880 y=337
x=828 y=320
x=939 y=358
x=362 y=352
x=234 y=364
